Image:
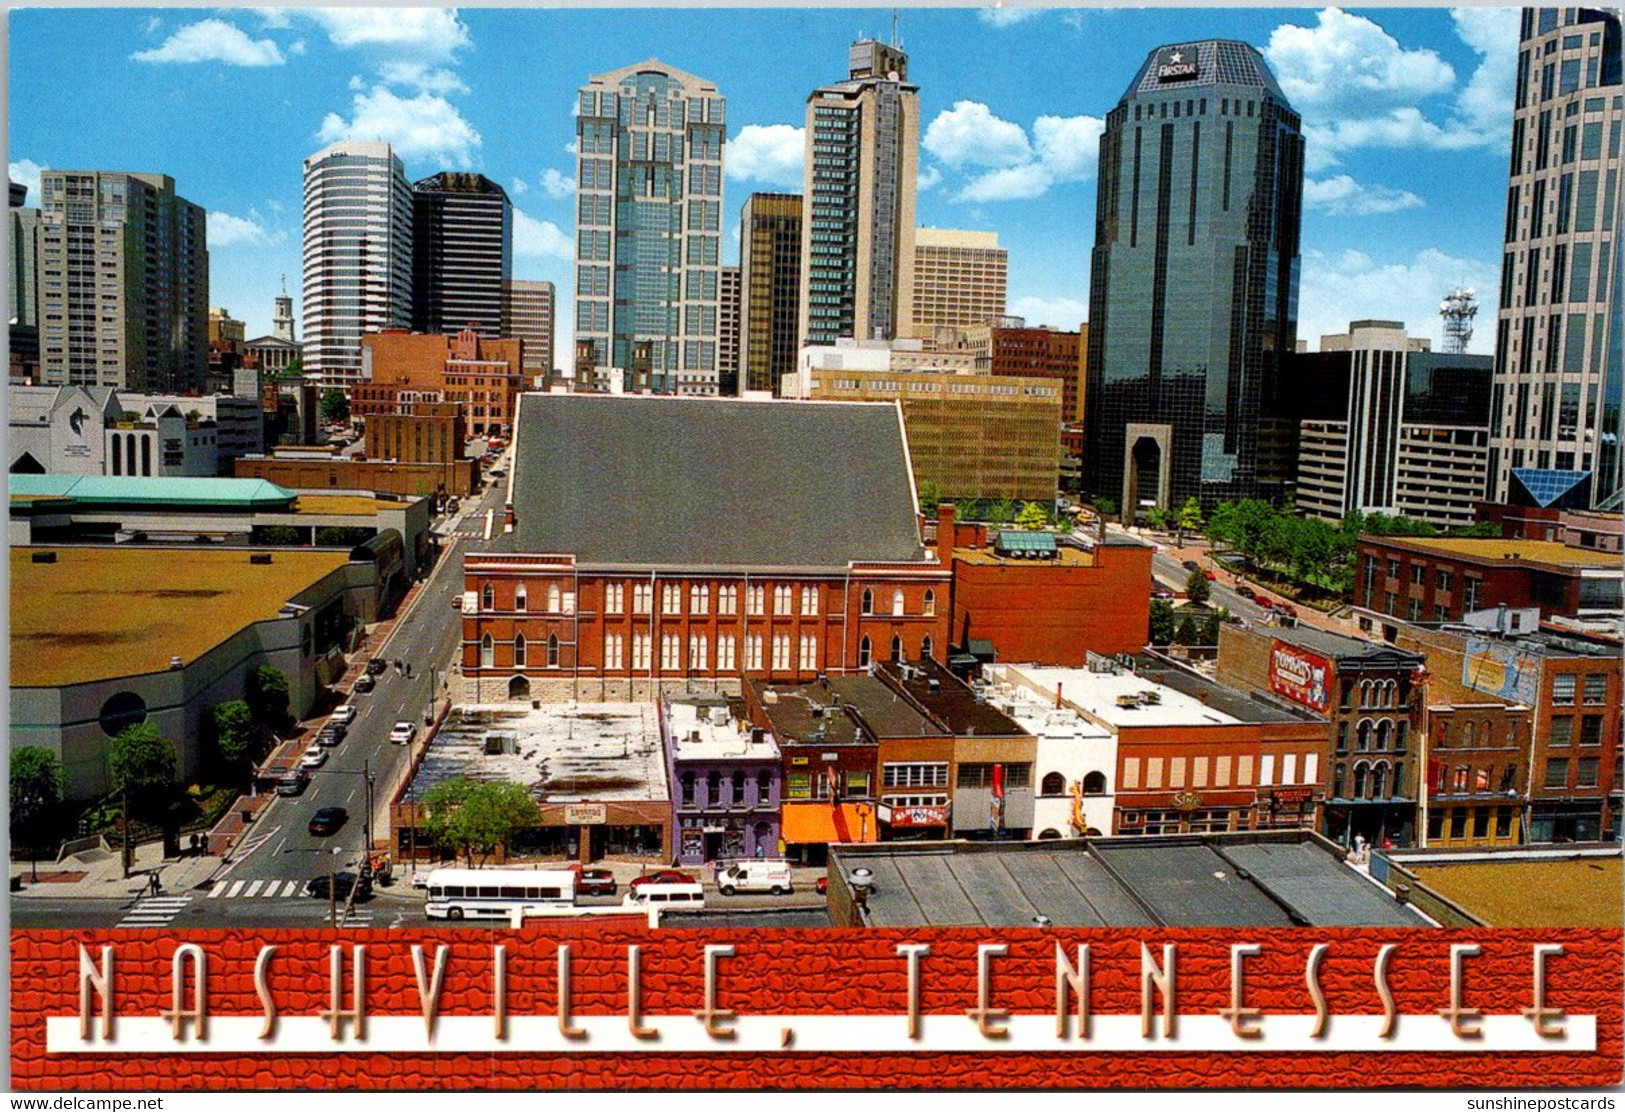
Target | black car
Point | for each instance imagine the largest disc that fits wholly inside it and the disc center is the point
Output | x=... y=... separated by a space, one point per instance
x=1191 y=565
x=328 y=820
x=342 y=884
x=376 y=665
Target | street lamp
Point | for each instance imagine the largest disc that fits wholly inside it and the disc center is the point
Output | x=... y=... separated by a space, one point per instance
x=333 y=887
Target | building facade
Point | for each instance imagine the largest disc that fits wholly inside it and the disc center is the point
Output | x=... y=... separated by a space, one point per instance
x=1053 y=353
x=861 y=176
x=357 y=255
x=22 y=284
x=649 y=229
x=769 y=289
x=1559 y=383
x=959 y=279
x=729 y=313
x=1193 y=295
x=725 y=780
x=123 y=269
x=527 y=316
x=427 y=432
x=485 y=377
x=462 y=253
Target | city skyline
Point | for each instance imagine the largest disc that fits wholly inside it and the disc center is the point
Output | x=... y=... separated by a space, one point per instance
x=1394 y=103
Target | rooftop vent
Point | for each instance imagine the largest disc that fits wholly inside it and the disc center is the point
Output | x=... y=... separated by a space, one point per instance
x=259 y=557
x=43 y=557
x=176 y=664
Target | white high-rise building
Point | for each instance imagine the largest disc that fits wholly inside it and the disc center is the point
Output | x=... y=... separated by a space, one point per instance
x=649 y=230
x=358 y=255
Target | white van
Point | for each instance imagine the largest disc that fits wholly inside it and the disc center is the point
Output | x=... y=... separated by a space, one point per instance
x=754 y=876
x=665 y=895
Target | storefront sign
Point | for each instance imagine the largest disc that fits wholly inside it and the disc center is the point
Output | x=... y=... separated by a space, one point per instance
x=919 y=816
x=1292 y=795
x=1188 y=801
x=586 y=814
x=1301 y=676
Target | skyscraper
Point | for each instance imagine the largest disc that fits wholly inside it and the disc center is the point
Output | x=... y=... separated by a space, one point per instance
x=22 y=280
x=123 y=282
x=649 y=228
x=862 y=168
x=1557 y=395
x=769 y=289
x=1193 y=299
x=358 y=255
x=462 y=252
x=728 y=313
x=959 y=279
x=527 y=314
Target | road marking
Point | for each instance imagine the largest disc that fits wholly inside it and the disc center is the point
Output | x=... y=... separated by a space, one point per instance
x=235 y=888
x=155 y=912
x=253 y=887
x=214 y=891
x=280 y=844
x=290 y=889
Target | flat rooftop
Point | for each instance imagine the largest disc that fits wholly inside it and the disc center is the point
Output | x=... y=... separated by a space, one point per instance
x=131 y=490
x=1514 y=550
x=564 y=753
x=1283 y=879
x=949 y=701
x=1571 y=892
x=359 y=505
x=1183 y=699
x=706 y=730
x=100 y=612
x=1065 y=556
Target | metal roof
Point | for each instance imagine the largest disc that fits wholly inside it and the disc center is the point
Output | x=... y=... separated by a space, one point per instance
x=154 y=491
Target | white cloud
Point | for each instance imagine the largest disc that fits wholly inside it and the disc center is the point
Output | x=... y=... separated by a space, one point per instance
x=928 y=179
x=226 y=230
x=1016 y=183
x=356 y=84
x=518 y=187
x=273 y=19
x=573 y=148
x=769 y=153
x=26 y=172
x=1068 y=146
x=296 y=48
x=541 y=239
x=1349 y=62
x=427 y=33
x=968 y=134
x=153 y=23
x=421 y=77
x=213 y=40
x=1057 y=312
x=1353 y=286
x=1486 y=102
x=1341 y=195
x=423 y=126
x=1007 y=17
x=555 y=184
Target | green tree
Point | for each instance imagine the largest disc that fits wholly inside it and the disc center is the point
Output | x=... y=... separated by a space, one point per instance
x=472 y=818
x=142 y=764
x=335 y=404
x=1197 y=588
x=1032 y=517
x=1162 y=621
x=234 y=733
x=1157 y=518
x=1190 y=519
x=36 y=792
x=268 y=695
x=1223 y=526
x=1105 y=507
x=1253 y=517
x=1002 y=510
x=930 y=496
x=1210 y=631
x=278 y=535
x=1187 y=634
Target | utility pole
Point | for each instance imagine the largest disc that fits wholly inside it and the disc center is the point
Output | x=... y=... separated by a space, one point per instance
x=129 y=854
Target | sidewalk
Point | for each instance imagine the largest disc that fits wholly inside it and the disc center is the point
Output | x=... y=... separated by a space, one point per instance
x=99 y=874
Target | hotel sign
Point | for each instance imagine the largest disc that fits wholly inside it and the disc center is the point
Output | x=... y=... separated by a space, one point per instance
x=1177 y=64
x=1301 y=676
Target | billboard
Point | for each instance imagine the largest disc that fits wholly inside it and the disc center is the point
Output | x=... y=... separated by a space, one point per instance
x=1300 y=676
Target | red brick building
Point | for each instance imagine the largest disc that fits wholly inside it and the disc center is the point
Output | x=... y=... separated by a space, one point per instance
x=1042 y=353
x=305 y=472
x=1441 y=579
x=485 y=377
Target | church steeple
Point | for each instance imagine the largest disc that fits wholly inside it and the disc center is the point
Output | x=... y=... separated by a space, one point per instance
x=282 y=320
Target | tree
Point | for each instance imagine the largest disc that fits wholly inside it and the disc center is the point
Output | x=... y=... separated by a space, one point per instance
x=1190 y=519
x=1253 y=517
x=1002 y=510
x=1157 y=518
x=930 y=496
x=36 y=792
x=1223 y=526
x=279 y=535
x=268 y=695
x=1162 y=621
x=335 y=404
x=471 y=818
x=1187 y=634
x=1105 y=507
x=1210 y=632
x=142 y=765
x=1032 y=517
x=234 y=733
x=1197 y=588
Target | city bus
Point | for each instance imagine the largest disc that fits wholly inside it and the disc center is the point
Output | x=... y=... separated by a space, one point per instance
x=496 y=893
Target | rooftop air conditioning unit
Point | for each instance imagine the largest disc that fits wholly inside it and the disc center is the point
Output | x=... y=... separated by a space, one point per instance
x=1151 y=698
x=1128 y=702
x=259 y=557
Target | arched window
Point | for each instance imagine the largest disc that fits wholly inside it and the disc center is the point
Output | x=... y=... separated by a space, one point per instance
x=896 y=649
x=1359 y=780
x=1383 y=729
x=487 y=597
x=1052 y=784
x=1339 y=780
x=1399 y=778
x=1049 y=833
x=520 y=651
x=930 y=607
x=1365 y=693
x=925 y=648
x=521 y=598
x=118 y=460
x=519 y=688
x=865 y=651
x=1362 y=735
x=1379 y=780
x=897 y=603
x=552 y=650
x=487 y=651
x=553 y=598
x=1466 y=733
x=1094 y=784
x=868 y=601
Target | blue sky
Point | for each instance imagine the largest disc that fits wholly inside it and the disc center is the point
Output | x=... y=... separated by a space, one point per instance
x=1407 y=113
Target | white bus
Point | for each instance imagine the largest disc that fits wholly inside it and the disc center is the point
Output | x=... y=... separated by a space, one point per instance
x=496 y=893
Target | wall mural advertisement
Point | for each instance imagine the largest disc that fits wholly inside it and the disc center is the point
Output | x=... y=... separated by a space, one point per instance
x=1301 y=676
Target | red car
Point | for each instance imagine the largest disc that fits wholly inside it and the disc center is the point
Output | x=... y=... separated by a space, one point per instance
x=1209 y=576
x=1264 y=602
x=663 y=876
x=822 y=886
x=1288 y=609
x=594 y=882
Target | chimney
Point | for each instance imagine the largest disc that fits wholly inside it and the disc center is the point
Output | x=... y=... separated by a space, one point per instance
x=945 y=533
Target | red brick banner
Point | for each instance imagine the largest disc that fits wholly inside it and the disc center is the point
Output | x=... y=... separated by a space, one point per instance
x=577 y=1006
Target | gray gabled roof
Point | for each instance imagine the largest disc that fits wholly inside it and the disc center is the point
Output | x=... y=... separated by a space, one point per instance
x=711 y=482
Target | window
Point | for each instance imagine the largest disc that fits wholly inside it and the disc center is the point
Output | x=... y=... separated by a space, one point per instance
x=552 y=650
x=868 y=601
x=753 y=652
x=1419 y=574
x=1591 y=729
x=520 y=651
x=764 y=788
x=1586 y=774
x=738 y=797
x=1563 y=690
x=487 y=598
x=614 y=647
x=1562 y=731
x=521 y=598
x=755 y=600
x=671 y=652
x=1053 y=783
x=640 y=652
x=929 y=608
x=865 y=651
x=1393 y=568
x=897 y=603
x=725 y=652
x=781 y=599
x=713 y=789
x=613 y=598
x=926 y=648
x=809 y=601
x=1094 y=783
x=1503 y=822
x=1443 y=580
x=896 y=649
x=699 y=649
x=688 y=789
x=1557 y=772
x=1458 y=823
x=1596 y=690
x=487 y=651
x=1469 y=599
x=915 y=775
x=671 y=598
x=781 y=652
x=554 y=598
x=643 y=597
x=809 y=652
x=699 y=598
x=728 y=599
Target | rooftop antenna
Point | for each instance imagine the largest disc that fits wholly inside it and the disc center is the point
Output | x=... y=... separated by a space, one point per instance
x=894 y=29
x=1458 y=309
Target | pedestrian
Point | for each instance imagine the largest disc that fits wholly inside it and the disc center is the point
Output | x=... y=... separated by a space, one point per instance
x=408 y=669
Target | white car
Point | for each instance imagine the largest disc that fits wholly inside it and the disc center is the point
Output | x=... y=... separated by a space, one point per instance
x=314 y=757
x=344 y=715
x=402 y=733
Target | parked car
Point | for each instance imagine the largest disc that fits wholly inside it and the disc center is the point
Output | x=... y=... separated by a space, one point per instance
x=1162 y=594
x=666 y=895
x=376 y=666
x=822 y=887
x=328 y=738
x=1288 y=609
x=1191 y=565
x=342 y=715
x=293 y=782
x=402 y=733
x=1246 y=592
x=595 y=882
x=1209 y=576
x=342 y=883
x=1264 y=602
x=363 y=684
x=755 y=876
x=328 y=820
x=663 y=876
x=314 y=757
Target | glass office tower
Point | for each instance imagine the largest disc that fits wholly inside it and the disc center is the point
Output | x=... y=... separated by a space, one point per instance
x=1193 y=301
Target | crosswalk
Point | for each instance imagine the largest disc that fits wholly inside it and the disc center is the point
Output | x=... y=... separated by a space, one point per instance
x=156 y=911
x=256 y=889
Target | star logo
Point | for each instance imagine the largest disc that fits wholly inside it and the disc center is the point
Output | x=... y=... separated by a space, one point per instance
x=1176 y=57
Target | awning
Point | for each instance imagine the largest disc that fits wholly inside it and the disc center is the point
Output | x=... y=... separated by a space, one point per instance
x=819 y=823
